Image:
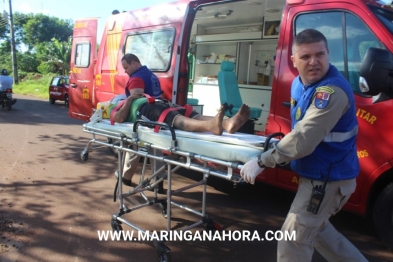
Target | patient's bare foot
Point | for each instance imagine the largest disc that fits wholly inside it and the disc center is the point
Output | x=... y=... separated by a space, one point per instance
x=234 y=123
x=216 y=122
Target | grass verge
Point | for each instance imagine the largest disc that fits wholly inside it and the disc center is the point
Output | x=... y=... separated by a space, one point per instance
x=34 y=85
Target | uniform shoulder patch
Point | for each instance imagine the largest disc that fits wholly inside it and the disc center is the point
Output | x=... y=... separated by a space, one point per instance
x=325 y=89
x=322 y=96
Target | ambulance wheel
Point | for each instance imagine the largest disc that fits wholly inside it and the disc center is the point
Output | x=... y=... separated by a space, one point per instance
x=164 y=253
x=383 y=215
x=66 y=100
x=51 y=101
x=84 y=156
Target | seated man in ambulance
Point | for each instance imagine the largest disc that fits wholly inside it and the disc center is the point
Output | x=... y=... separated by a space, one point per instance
x=136 y=107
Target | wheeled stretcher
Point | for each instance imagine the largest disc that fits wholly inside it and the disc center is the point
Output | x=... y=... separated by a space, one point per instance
x=208 y=154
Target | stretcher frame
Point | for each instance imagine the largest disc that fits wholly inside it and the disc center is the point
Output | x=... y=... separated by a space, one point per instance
x=173 y=160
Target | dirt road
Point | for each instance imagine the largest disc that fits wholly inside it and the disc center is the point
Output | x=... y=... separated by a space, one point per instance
x=52 y=204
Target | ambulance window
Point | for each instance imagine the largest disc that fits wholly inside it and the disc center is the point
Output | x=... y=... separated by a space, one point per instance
x=348 y=40
x=82 y=55
x=154 y=48
x=359 y=40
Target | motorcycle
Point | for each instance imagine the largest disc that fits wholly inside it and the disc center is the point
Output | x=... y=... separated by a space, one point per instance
x=6 y=98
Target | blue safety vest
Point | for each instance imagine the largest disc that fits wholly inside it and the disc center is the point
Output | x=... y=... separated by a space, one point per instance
x=338 y=148
x=152 y=84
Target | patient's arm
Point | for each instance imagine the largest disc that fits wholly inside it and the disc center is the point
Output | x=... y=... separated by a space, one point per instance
x=121 y=115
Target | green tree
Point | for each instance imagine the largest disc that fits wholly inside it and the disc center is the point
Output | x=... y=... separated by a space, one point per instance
x=54 y=56
x=19 y=20
x=42 y=43
x=33 y=29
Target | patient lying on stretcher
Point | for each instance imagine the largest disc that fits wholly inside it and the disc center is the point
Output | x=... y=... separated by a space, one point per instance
x=137 y=107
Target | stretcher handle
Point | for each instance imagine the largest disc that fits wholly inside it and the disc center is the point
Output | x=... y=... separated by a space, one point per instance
x=266 y=147
x=137 y=122
x=267 y=141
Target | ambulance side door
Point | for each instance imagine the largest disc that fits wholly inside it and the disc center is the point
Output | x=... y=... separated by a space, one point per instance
x=83 y=58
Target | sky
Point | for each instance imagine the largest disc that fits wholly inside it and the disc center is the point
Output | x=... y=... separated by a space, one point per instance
x=73 y=9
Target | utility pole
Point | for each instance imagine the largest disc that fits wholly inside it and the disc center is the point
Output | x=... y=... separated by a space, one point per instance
x=13 y=53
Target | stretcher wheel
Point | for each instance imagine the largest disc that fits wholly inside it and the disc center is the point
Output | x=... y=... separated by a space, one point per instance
x=164 y=257
x=84 y=156
x=116 y=226
x=163 y=253
x=211 y=226
x=164 y=208
x=165 y=213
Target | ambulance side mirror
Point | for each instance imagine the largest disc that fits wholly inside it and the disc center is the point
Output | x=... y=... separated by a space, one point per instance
x=376 y=73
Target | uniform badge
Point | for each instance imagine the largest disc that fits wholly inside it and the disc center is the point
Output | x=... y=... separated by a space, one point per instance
x=298 y=113
x=322 y=96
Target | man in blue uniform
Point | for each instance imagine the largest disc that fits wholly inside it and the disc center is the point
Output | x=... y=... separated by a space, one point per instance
x=142 y=81
x=321 y=148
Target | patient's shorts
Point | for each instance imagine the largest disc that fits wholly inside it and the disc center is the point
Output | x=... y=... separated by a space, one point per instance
x=151 y=112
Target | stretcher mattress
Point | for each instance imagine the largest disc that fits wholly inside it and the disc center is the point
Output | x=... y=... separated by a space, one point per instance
x=238 y=147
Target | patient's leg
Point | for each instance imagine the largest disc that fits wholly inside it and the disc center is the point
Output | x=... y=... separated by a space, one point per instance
x=231 y=125
x=211 y=124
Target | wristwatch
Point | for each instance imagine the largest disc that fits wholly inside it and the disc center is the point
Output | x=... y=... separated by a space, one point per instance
x=260 y=164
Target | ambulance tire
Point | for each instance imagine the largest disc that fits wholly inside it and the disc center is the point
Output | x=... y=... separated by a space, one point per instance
x=52 y=101
x=383 y=215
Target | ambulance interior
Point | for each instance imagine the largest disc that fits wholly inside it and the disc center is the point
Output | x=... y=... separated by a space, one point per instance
x=244 y=33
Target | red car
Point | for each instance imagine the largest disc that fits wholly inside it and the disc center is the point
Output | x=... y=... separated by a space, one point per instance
x=58 y=89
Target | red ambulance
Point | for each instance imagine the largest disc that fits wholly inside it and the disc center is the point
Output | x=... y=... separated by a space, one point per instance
x=184 y=43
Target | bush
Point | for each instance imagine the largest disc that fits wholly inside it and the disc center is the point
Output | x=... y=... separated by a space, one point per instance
x=27 y=62
x=46 y=68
